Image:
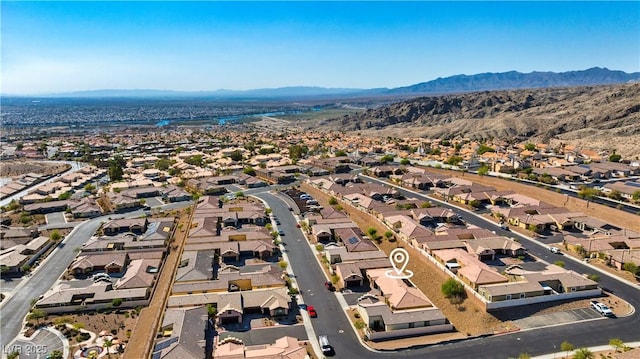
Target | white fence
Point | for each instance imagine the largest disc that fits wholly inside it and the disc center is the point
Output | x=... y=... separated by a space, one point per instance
x=409 y=332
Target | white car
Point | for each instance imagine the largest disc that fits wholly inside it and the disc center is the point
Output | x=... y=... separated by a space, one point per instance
x=554 y=250
x=601 y=308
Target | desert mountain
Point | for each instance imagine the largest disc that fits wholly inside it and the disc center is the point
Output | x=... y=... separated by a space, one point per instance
x=518 y=80
x=600 y=117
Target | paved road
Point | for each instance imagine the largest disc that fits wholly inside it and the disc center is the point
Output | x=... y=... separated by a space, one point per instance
x=74 y=167
x=332 y=321
x=14 y=309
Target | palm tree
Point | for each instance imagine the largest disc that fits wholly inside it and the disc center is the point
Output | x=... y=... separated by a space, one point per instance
x=107 y=344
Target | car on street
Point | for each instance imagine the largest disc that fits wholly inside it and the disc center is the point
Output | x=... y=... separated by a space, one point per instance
x=601 y=308
x=312 y=311
x=281 y=232
x=554 y=250
x=329 y=286
x=324 y=345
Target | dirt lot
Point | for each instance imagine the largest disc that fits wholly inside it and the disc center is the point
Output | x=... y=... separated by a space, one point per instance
x=468 y=317
x=17 y=168
x=151 y=316
x=116 y=323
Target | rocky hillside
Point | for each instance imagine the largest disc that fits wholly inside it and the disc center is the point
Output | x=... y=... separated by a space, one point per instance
x=600 y=117
x=517 y=80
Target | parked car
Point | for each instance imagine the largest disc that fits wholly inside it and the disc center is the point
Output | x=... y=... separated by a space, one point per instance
x=554 y=250
x=324 y=344
x=312 y=311
x=329 y=286
x=281 y=232
x=601 y=308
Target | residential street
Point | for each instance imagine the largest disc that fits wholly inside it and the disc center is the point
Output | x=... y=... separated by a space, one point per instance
x=14 y=309
x=332 y=321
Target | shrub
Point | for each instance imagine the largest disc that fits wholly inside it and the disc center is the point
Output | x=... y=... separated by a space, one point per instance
x=559 y=264
x=452 y=288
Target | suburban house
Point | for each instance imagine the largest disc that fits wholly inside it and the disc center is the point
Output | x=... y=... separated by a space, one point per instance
x=394 y=309
x=525 y=287
x=283 y=348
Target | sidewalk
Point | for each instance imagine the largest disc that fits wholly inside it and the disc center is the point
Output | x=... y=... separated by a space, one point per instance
x=595 y=349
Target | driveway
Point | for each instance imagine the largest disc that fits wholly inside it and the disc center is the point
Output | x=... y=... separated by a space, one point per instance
x=569 y=316
x=55 y=218
x=267 y=335
x=154 y=202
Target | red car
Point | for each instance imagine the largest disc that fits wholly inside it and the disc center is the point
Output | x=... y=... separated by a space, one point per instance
x=312 y=311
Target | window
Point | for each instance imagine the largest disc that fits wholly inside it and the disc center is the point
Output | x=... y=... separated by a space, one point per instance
x=522 y=295
x=508 y=297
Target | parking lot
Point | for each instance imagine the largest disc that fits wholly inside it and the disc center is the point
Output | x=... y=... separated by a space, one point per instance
x=563 y=317
x=43 y=342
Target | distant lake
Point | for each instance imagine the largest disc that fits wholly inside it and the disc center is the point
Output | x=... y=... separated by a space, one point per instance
x=237 y=118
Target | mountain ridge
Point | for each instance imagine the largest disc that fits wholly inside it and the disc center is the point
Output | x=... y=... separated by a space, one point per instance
x=452 y=84
x=601 y=116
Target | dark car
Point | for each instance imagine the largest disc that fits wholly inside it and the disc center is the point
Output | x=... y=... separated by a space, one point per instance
x=329 y=286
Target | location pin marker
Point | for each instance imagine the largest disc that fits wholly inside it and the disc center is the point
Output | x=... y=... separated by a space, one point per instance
x=399 y=259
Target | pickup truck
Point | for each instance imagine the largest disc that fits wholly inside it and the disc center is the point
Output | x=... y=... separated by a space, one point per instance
x=601 y=308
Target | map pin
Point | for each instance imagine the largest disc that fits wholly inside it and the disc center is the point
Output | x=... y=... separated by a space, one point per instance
x=399 y=258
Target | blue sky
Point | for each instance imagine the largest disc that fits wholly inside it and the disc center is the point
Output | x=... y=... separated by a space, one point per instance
x=69 y=46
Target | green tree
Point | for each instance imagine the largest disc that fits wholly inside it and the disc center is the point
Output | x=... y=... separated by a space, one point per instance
x=13 y=205
x=236 y=155
x=55 y=235
x=615 y=157
x=283 y=264
x=372 y=232
x=333 y=201
x=107 y=345
x=13 y=355
x=524 y=356
x=474 y=203
x=615 y=195
x=386 y=158
x=163 y=164
x=567 y=347
x=616 y=344
x=195 y=160
x=452 y=288
x=249 y=171
x=116 y=302
x=388 y=235
x=37 y=314
x=116 y=170
x=453 y=160
x=483 y=148
x=212 y=311
x=426 y=205
x=340 y=153
x=530 y=146
x=405 y=161
x=588 y=193
x=297 y=152
x=630 y=267
x=583 y=353
x=636 y=196
x=484 y=170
